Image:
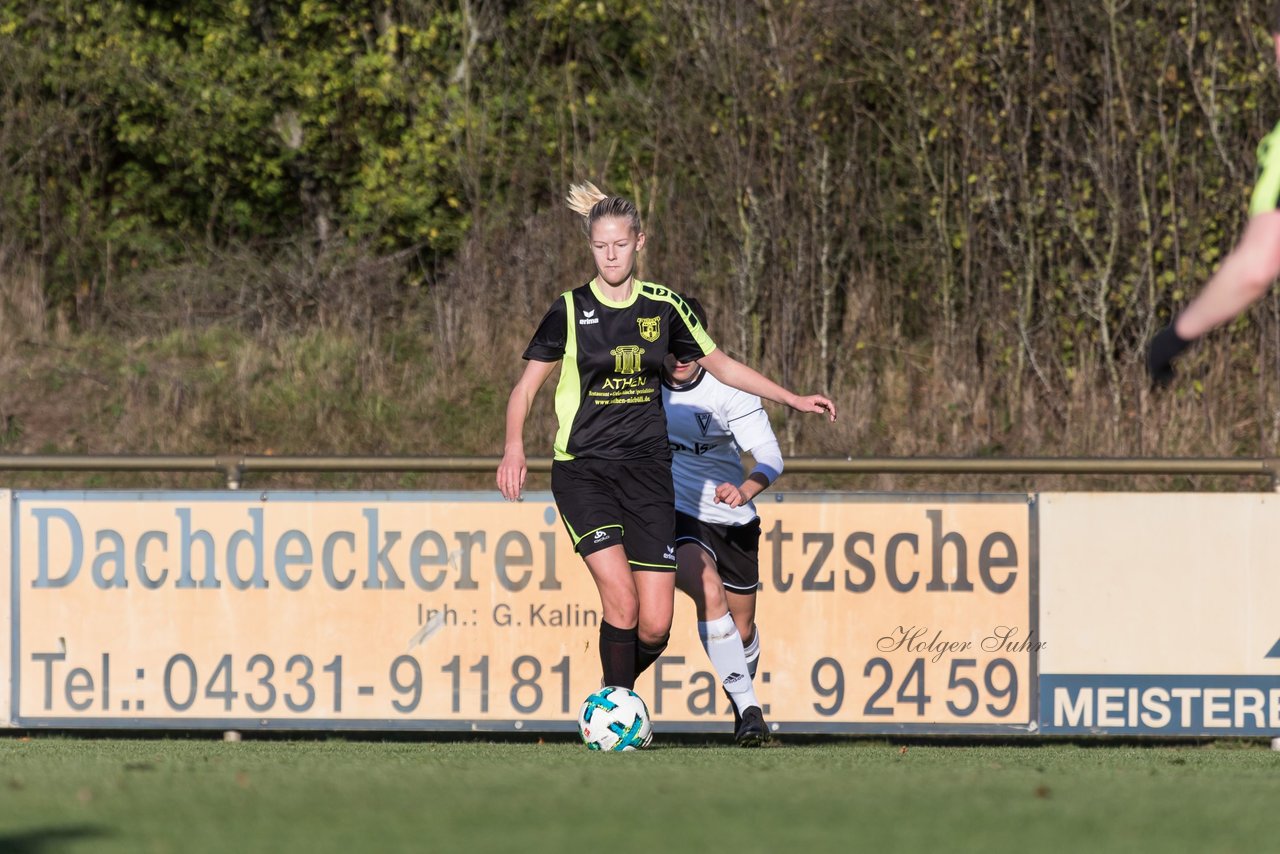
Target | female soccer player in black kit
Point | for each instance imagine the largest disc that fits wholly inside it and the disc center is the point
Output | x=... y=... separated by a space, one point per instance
x=611 y=477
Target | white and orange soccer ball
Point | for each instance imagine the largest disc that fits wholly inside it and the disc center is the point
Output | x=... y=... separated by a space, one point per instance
x=615 y=718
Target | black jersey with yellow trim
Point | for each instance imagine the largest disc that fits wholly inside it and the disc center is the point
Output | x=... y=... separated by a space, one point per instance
x=609 y=396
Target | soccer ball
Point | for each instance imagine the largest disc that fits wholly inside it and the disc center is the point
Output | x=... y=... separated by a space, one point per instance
x=615 y=719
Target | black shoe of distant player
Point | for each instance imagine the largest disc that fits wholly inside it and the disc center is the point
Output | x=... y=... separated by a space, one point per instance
x=752 y=731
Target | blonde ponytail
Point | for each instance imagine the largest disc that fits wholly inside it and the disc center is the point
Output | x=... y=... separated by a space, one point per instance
x=583 y=197
x=589 y=201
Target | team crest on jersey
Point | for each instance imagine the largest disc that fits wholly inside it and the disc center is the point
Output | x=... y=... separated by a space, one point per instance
x=704 y=421
x=650 y=327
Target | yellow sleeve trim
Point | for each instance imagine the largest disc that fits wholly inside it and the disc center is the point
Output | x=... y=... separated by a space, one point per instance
x=1266 y=192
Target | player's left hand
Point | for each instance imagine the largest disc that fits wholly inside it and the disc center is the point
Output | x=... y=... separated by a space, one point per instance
x=728 y=493
x=815 y=403
x=1163 y=349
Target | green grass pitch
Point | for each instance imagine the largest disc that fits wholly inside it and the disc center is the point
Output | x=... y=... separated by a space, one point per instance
x=63 y=793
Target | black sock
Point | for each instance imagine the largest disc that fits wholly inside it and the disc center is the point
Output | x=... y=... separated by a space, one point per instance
x=647 y=655
x=618 y=655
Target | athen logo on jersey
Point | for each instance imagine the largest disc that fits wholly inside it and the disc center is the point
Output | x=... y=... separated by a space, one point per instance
x=698 y=448
x=626 y=359
x=650 y=327
x=588 y=318
x=704 y=421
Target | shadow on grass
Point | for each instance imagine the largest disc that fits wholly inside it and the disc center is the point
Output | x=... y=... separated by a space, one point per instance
x=48 y=839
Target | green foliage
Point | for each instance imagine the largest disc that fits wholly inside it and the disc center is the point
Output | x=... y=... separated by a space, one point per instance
x=1023 y=191
x=213 y=123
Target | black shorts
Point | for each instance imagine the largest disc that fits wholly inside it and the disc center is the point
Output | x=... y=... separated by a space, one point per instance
x=607 y=502
x=734 y=548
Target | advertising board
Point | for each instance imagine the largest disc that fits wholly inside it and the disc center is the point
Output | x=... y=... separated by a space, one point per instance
x=283 y=610
x=1162 y=612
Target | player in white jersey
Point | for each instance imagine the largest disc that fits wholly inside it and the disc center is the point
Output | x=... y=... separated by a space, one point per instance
x=709 y=424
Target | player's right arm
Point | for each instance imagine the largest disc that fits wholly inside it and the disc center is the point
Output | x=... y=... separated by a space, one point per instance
x=513 y=469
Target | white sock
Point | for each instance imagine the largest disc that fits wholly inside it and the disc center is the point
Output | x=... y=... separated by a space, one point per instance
x=723 y=644
x=753 y=651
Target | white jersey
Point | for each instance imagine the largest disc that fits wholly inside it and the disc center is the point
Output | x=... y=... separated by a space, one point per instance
x=709 y=424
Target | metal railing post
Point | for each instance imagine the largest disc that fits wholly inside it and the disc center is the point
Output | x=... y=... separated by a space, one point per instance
x=232 y=469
